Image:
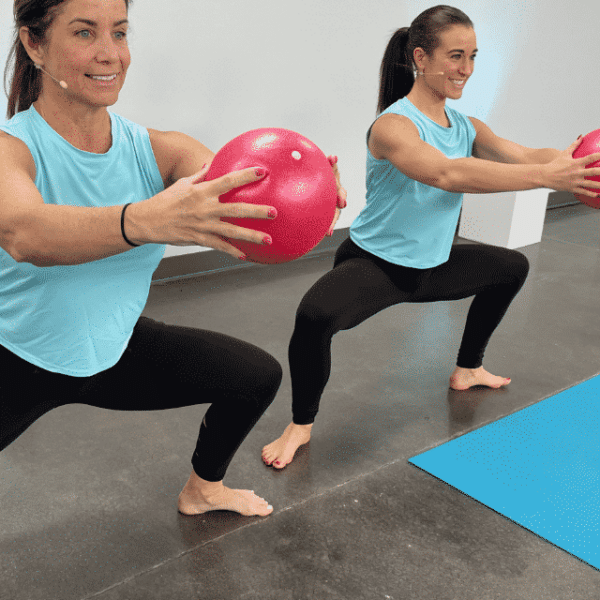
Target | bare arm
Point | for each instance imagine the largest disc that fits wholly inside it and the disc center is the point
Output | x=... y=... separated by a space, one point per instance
x=186 y=213
x=178 y=155
x=396 y=138
x=489 y=146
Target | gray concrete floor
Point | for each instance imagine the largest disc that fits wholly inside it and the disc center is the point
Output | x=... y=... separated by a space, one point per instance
x=88 y=497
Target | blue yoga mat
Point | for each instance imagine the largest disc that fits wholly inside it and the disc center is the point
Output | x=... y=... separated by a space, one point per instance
x=540 y=467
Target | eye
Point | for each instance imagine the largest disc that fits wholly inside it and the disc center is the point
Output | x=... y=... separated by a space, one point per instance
x=84 y=33
x=121 y=35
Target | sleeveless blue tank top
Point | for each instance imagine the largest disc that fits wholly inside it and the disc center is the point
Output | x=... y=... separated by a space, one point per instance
x=77 y=320
x=406 y=222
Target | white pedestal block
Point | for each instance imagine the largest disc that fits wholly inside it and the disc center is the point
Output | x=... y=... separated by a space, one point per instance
x=506 y=219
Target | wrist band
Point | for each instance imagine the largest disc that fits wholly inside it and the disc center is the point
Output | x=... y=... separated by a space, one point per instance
x=123 y=226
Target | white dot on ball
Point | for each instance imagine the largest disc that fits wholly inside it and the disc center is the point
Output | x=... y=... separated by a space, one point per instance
x=296 y=155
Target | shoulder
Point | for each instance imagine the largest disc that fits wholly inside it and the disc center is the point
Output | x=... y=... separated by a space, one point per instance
x=169 y=141
x=177 y=154
x=477 y=124
x=391 y=124
x=482 y=131
x=391 y=131
x=14 y=153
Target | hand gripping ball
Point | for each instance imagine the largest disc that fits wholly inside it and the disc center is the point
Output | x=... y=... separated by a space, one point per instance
x=589 y=145
x=300 y=184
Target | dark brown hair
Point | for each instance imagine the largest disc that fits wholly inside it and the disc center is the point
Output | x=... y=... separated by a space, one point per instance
x=25 y=80
x=396 y=76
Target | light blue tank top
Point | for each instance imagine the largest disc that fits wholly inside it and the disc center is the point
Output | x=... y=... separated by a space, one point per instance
x=406 y=222
x=77 y=320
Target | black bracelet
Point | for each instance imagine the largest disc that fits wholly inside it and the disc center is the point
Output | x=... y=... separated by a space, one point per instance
x=123 y=227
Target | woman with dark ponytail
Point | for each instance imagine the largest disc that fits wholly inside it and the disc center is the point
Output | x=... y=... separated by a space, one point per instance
x=422 y=156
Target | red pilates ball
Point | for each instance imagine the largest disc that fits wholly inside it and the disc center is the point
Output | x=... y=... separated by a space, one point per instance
x=590 y=144
x=300 y=184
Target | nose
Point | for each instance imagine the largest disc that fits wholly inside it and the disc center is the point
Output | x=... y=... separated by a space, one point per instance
x=107 y=50
x=466 y=67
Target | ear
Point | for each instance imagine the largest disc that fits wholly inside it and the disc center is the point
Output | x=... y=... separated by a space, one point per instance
x=418 y=57
x=33 y=49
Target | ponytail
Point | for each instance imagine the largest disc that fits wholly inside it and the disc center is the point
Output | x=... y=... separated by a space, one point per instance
x=26 y=83
x=25 y=79
x=396 y=76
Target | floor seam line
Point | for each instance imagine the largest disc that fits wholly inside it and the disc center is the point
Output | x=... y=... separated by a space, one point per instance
x=571 y=243
x=258 y=522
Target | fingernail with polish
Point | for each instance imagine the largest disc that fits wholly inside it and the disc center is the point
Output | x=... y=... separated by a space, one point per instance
x=272 y=213
x=267 y=240
x=260 y=172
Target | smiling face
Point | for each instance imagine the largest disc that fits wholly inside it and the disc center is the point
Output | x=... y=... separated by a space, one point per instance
x=454 y=57
x=86 y=47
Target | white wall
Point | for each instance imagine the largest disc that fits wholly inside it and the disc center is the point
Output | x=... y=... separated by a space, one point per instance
x=216 y=68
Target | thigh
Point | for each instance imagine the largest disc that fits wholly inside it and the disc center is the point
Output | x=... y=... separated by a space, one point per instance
x=28 y=392
x=169 y=366
x=354 y=290
x=470 y=269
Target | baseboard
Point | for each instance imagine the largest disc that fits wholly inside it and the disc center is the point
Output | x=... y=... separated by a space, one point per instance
x=560 y=199
x=211 y=261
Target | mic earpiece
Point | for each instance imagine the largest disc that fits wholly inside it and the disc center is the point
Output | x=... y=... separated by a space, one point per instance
x=63 y=84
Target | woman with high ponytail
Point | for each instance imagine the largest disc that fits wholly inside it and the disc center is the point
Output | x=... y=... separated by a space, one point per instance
x=421 y=157
x=397 y=73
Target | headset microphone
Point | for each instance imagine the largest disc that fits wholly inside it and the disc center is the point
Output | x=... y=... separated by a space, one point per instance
x=63 y=84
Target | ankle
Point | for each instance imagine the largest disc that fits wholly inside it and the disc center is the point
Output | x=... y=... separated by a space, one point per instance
x=466 y=370
x=202 y=486
x=301 y=427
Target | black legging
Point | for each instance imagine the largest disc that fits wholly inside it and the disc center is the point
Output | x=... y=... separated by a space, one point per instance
x=164 y=366
x=361 y=284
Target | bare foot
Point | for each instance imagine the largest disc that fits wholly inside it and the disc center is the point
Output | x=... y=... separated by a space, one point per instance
x=281 y=452
x=199 y=496
x=463 y=379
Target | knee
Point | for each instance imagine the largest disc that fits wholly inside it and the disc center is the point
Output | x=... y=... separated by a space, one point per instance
x=275 y=376
x=519 y=266
x=511 y=266
x=312 y=315
x=271 y=374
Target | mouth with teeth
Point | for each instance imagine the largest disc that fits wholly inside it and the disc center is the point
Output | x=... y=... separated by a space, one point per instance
x=107 y=78
x=459 y=83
